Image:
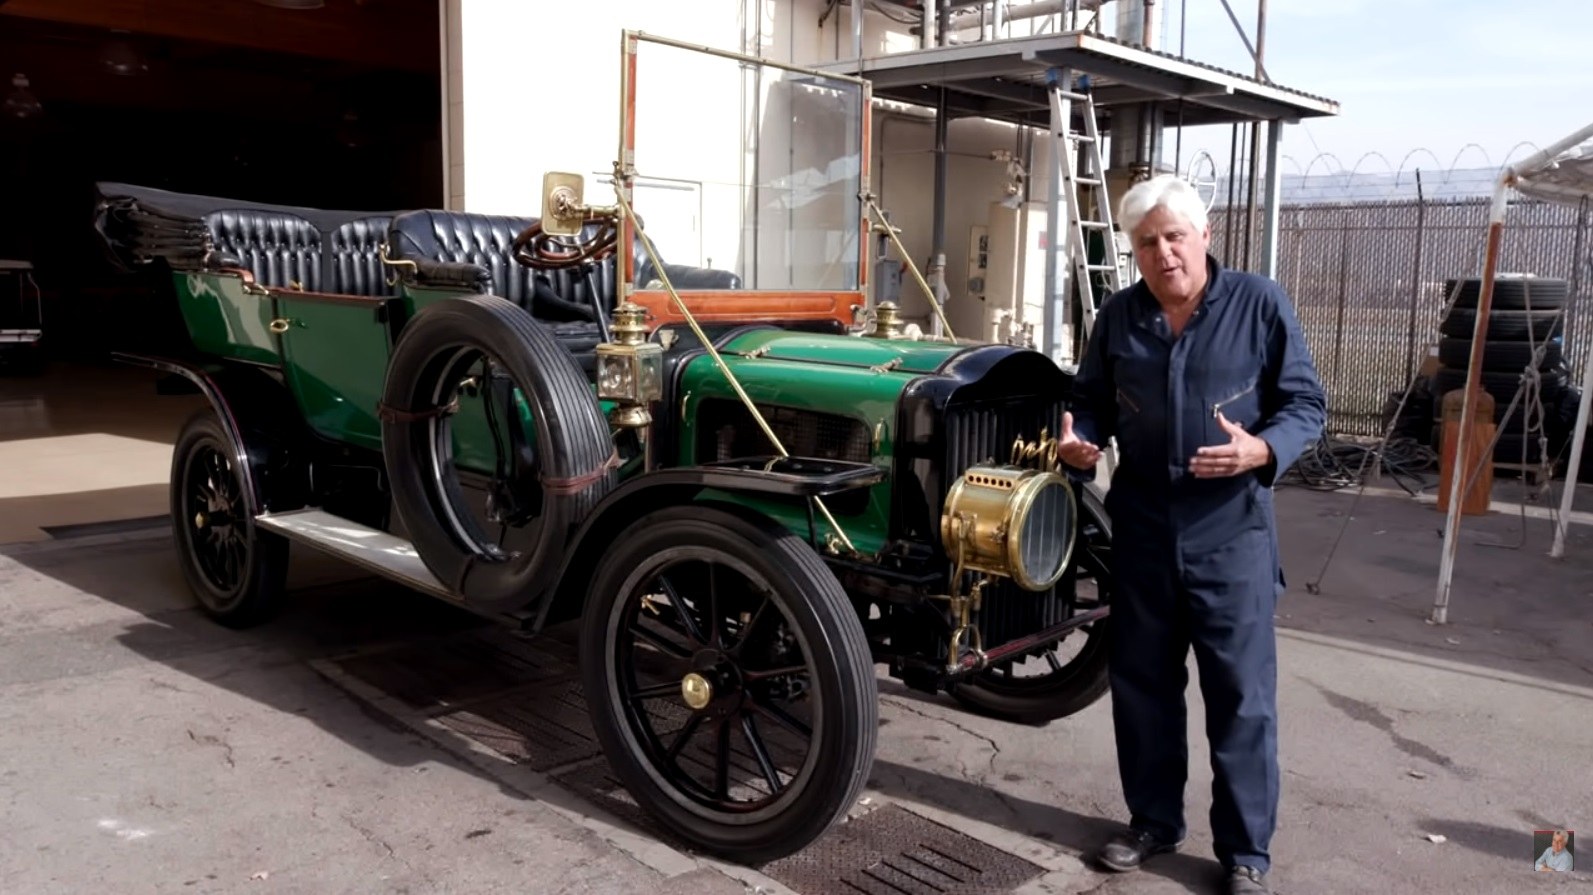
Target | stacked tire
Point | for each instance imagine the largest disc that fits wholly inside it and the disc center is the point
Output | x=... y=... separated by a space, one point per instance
x=1526 y=325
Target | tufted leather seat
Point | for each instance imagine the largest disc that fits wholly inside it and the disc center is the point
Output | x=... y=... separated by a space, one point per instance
x=450 y=236
x=354 y=262
x=279 y=249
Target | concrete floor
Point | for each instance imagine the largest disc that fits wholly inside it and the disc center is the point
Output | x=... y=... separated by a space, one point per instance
x=150 y=751
x=84 y=444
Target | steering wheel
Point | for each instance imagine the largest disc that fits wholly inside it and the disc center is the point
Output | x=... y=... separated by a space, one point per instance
x=541 y=251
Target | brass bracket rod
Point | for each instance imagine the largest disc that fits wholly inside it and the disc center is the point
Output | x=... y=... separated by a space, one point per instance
x=707 y=343
x=873 y=207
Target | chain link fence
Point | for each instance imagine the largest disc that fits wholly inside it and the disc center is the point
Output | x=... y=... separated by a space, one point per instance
x=1367 y=279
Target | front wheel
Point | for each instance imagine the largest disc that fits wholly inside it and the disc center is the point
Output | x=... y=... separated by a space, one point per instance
x=729 y=681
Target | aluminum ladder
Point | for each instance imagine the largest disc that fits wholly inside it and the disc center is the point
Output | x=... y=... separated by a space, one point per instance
x=1082 y=166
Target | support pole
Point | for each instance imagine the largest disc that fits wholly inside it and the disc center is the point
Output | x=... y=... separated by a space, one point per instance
x=1571 y=472
x=1055 y=309
x=1274 y=200
x=857 y=32
x=937 y=251
x=1460 y=473
x=1579 y=436
x=1507 y=178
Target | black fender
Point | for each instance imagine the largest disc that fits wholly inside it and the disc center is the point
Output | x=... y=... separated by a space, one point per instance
x=794 y=477
x=261 y=420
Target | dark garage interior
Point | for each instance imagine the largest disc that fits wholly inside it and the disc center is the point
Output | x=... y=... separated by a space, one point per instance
x=323 y=103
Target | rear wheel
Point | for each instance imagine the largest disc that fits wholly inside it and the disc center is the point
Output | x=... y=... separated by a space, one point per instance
x=1068 y=676
x=237 y=571
x=729 y=681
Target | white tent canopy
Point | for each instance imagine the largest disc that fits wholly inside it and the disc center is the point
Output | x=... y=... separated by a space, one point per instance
x=1562 y=173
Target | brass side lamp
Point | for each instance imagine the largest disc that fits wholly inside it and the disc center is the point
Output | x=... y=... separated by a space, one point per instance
x=630 y=369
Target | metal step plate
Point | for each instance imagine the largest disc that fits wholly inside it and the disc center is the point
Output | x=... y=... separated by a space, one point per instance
x=373 y=550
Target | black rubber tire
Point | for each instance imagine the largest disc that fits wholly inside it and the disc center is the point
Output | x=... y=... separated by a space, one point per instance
x=572 y=439
x=1502 y=386
x=1499 y=355
x=237 y=571
x=1510 y=293
x=1082 y=680
x=1504 y=326
x=819 y=619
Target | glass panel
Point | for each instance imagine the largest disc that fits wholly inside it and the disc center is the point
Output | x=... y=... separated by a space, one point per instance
x=775 y=158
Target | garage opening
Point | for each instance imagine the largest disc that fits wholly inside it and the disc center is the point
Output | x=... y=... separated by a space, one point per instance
x=321 y=103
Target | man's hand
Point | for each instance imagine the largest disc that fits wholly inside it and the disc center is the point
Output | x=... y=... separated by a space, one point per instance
x=1242 y=453
x=1075 y=452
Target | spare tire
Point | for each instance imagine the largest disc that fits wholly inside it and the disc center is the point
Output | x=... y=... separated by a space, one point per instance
x=1510 y=293
x=574 y=452
x=1506 y=326
x=1501 y=356
x=1502 y=386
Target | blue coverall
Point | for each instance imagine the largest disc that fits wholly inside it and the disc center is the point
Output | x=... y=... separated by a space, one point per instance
x=1195 y=561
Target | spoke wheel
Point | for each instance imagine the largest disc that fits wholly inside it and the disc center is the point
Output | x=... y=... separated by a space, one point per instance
x=1071 y=674
x=237 y=571
x=729 y=681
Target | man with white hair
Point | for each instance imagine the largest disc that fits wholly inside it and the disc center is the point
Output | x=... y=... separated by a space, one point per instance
x=1203 y=376
x=1556 y=856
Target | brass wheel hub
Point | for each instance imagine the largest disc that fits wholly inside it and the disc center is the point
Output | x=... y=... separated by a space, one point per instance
x=696 y=691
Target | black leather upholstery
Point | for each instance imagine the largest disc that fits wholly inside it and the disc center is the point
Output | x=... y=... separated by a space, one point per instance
x=487 y=241
x=279 y=249
x=481 y=239
x=354 y=262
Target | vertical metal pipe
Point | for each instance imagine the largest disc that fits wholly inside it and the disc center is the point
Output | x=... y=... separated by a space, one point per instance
x=1228 y=216
x=1274 y=200
x=1052 y=312
x=1416 y=278
x=1343 y=278
x=1261 y=39
x=998 y=19
x=1579 y=433
x=1250 y=202
x=1459 y=472
x=926 y=32
x=857 y=30
x=937 y=252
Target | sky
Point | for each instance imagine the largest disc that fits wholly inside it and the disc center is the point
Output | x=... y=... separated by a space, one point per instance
x=1460 y=83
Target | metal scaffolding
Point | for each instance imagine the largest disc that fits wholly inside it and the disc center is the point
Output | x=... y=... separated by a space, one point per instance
x=1140 y=91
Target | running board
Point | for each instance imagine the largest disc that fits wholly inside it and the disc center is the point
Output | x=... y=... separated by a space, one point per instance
x=371 y=549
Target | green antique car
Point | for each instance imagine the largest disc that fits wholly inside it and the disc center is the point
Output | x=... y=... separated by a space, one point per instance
x=747 y=484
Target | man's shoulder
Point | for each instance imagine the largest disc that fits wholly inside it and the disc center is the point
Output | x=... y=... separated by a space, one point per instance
x=1254 y=290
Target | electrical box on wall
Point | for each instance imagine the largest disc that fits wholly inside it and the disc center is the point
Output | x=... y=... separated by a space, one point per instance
x=978 y=260
x=1015 y=273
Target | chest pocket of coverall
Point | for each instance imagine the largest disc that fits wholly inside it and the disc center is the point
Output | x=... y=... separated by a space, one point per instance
x=1237 y=398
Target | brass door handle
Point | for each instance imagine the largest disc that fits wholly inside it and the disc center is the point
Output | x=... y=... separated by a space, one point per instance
x=280 y=325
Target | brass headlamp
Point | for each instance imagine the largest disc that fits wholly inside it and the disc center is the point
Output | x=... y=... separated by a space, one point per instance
x=630 y=368
x=1009 y=521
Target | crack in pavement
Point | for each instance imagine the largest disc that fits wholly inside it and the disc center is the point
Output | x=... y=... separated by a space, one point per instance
x=995 y=748
x=1367 y=713
x=372 y=837
x=208 y=740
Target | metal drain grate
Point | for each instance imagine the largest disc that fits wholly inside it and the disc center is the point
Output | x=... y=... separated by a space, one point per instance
x=525 y=704
x=445 y=673
x=542 y=726
x=892 y=851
